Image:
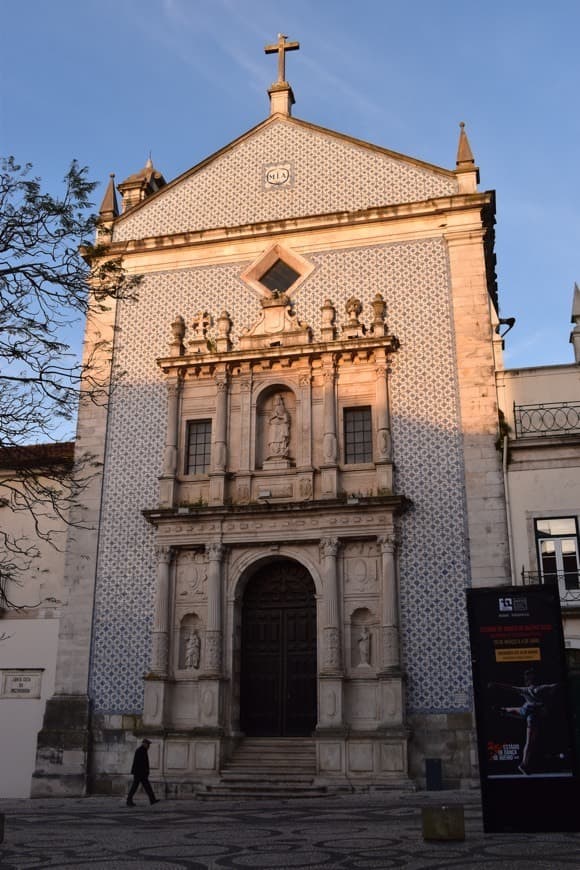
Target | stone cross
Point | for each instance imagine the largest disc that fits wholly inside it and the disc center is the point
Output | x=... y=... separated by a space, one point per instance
x=281 y=47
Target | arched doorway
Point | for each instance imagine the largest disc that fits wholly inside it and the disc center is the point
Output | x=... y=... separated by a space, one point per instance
x=278 y=663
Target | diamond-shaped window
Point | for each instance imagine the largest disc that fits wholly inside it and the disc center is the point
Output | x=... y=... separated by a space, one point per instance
x=279 y=277
x=279 y=270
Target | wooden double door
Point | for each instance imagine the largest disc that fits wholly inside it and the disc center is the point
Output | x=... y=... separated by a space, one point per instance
x=278 y=660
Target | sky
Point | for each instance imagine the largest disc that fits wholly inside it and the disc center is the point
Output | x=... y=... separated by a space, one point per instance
x=109 y=81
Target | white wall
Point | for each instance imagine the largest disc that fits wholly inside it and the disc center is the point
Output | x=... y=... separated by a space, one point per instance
x=31 y=644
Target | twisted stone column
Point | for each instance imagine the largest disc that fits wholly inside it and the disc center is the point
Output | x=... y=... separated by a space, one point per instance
x=213 y=634
x=390 y=610
x=332 y=639
x=160 y=651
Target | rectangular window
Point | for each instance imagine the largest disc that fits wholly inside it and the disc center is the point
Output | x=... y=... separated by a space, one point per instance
x=557 y=542
x=198 y=456
x=358 y=435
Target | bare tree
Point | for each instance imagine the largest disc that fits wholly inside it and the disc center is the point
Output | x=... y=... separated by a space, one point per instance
x=47 y=254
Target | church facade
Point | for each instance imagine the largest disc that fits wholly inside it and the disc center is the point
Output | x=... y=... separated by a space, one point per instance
x=299 y=469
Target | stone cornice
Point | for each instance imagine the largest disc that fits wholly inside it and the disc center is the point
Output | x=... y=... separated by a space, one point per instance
x=313 y=350
x=335 y=220
x=197 y=518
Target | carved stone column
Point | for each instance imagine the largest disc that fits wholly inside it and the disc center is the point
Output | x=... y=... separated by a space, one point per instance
x=167 y=479
x=329 y=477
x=160 y=651
x=247 y=435
x=330 y=710
x=213 y=634
x=332 y=639
x=391 y=656
x=219 y=457
x=383 y=454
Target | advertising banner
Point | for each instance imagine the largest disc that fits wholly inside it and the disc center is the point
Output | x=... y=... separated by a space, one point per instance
x=525 y=739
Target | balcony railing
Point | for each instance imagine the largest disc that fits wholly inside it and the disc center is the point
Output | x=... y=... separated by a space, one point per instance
x=548 y=419
x=568 y=583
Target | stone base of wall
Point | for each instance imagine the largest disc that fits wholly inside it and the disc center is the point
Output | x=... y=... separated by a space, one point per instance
x=184 y=762
x=450 y=737
x=363 y=759
x=63 y=748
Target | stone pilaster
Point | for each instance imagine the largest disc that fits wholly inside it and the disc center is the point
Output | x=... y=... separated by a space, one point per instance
x=160 y=650
x=390 y=648
x=245 y=419
x=214 y=631
x=329 y=476
x=484 y=488
x=332 y=639
x=219 y=451
x=391 y=691
x=304 y=446
x=330 y=713
x=383 y=455
x=168 y=476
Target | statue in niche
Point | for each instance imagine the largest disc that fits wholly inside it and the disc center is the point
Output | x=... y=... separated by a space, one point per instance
x=279 y=429
x=364 y=646
x=192 y=651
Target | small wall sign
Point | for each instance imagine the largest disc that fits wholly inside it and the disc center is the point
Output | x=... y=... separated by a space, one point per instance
x=21 y=684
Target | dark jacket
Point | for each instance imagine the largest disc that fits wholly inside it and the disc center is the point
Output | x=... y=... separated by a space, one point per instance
x=140 y=762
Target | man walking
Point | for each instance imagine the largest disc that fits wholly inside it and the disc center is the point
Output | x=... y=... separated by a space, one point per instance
x=140 y=771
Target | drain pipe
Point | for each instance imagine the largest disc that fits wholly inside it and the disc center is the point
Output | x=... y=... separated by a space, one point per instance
x=508 y=509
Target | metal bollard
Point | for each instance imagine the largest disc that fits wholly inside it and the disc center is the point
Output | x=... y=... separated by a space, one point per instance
x=433 y=774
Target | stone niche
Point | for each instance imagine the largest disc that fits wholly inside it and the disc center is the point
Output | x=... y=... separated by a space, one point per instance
x=190 y=641
x=364 y=638
x=276 y=429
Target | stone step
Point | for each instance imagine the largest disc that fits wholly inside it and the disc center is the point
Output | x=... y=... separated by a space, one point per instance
x=287 y=764
x=268 y=767
x=260 y=791
x=269 y=776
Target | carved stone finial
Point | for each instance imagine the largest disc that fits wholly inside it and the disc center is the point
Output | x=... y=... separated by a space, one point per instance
x=328 y=330
x=379 y=314
x=466 y=170
x=199 y=326
x=178 y=334
x=353 y=328
x=224 y=327
x=353 y=309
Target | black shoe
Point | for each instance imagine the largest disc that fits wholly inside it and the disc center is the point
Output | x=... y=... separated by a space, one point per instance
x=130 y=804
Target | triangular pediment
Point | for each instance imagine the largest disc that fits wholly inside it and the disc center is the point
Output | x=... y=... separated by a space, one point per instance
x=282 y=169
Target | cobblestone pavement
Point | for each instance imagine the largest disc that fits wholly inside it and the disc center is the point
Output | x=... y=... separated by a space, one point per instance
x=349 y=831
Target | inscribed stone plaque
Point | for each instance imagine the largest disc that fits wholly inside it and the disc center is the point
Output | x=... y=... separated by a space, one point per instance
x=278 y=175
x=21 y=684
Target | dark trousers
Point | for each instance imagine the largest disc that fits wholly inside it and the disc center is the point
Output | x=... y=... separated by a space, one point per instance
x=144 y=781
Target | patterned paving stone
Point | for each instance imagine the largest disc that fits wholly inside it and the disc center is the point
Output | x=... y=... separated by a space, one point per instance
x=353 y=832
